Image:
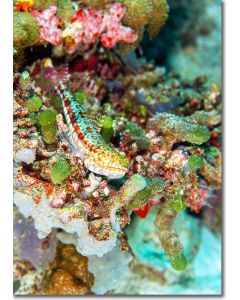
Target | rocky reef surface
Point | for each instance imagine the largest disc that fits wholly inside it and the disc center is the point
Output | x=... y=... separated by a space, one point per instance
x=146 y=219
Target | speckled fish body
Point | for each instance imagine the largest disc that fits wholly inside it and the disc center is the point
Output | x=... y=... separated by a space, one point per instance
x=97 y=156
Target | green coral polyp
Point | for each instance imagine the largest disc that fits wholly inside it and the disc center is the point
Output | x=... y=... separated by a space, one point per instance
x=133 y=129
x=49 y=134
x=198 y=135
x=60 y=171
x=137 y=135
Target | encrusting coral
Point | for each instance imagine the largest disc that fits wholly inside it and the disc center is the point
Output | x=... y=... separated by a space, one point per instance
x=69 y=273
x=176 y=129
x=153 y=13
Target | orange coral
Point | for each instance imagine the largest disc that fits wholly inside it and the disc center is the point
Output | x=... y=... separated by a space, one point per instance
x=24 y=5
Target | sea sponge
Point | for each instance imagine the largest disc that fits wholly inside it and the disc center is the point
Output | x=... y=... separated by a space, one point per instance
x=47 y=121
x=106 y=128
x=168 y=236
x=34 y=104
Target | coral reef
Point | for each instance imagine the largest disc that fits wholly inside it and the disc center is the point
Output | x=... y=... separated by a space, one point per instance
x=104 y=142
x=166 y=177
x=60 y=23
x=57 y=23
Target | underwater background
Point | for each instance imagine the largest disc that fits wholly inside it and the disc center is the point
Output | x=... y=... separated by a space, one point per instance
x=117 y=147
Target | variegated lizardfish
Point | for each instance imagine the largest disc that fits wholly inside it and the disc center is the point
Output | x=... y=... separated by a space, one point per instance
x=90 y=146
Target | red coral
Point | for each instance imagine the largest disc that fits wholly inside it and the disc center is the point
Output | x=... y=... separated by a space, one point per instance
x=49 y=23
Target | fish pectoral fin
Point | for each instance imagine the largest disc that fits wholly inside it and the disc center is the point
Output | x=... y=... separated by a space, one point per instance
x=66 y=136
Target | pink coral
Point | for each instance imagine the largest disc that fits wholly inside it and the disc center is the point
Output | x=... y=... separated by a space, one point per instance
x=49 y=23
x=58 y=199
x=195 y=199
x=115 y=32
x=88 y=25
